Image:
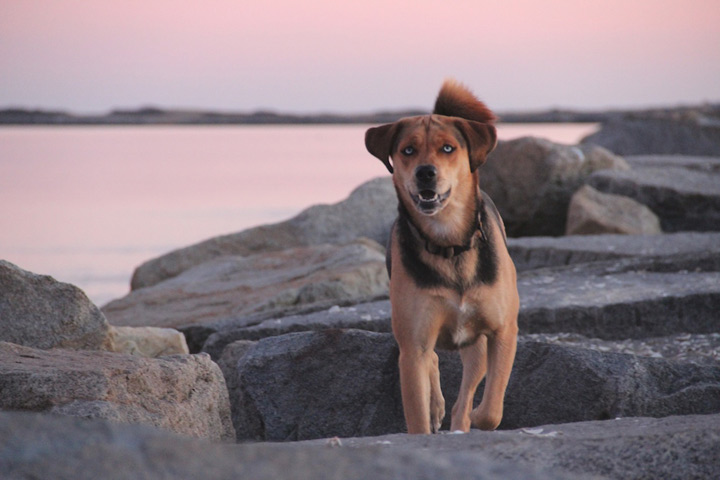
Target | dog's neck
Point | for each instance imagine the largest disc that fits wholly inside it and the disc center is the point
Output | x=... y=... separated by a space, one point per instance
x=443 y=248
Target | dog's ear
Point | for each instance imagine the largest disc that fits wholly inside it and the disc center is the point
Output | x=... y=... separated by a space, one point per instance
x=380 y=140
x=481 y=139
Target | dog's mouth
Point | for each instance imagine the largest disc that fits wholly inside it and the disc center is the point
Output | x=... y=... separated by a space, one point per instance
x=429 y=201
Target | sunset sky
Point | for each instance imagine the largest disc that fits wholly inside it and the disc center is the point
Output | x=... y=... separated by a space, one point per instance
x=356 y=56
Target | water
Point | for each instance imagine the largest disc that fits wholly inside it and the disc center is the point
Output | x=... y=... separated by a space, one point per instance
x=89 y=204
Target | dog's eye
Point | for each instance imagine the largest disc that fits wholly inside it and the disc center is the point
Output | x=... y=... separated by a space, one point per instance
x=408 y=151
x=448 y=148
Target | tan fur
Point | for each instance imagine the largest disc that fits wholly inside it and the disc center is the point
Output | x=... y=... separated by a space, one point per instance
x=480 y=316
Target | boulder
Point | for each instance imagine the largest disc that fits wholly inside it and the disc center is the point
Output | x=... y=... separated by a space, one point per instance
x=639 y=136
x=592 y=212
x=683 y=199
x=267 y=283
x=185 y=394
x=531 y=181
x=345 y=383
x=148 y=342
x=538 y=252
x=368 y=212
x=40 y=312
x=41 y=446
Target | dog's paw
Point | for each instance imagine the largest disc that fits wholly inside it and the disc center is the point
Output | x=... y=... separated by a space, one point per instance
x=486 y=418
x=437 y=413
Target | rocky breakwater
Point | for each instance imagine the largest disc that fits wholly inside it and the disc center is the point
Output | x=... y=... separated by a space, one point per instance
x=617 y=373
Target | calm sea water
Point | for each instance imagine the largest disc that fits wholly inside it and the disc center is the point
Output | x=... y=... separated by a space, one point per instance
x=89 y=204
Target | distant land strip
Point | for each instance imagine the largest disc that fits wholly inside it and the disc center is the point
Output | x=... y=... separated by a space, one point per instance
x=158 y=116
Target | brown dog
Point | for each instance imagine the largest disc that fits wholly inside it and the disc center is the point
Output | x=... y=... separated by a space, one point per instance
x=452 y=282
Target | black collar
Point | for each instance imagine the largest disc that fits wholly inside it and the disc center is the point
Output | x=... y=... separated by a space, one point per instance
x=450 y=251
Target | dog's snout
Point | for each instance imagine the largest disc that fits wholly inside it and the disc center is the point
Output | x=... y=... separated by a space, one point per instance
x=425 y=174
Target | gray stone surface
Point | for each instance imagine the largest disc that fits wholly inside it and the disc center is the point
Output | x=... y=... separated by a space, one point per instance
x=624 y=298
x=345 y=383
x=265 y=283
x=629 y=448
x=683 y=199
x=183 y=393
x=591 y=213
x=368 y=212
x=538 y=252
x=40 y=312
x=531 y=181
x=700 y=164
x=639 y=136
x=38 y=446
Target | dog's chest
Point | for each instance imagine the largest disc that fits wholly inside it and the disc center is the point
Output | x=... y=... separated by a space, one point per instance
x=463 y=325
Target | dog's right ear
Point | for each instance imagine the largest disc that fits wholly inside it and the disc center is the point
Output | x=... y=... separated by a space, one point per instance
x=380 y=140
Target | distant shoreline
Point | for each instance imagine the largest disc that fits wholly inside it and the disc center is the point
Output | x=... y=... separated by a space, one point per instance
x=156 y=116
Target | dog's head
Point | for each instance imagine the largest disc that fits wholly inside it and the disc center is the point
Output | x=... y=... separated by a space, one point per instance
x=433 y=157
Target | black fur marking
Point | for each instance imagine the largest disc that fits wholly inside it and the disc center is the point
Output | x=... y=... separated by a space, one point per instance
x=425 y=276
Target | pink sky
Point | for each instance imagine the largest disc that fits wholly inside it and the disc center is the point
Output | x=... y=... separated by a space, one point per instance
x=314 y=55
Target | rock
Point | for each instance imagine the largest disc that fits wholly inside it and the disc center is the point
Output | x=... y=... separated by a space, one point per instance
x=592 y=212
x=40 y=312
x=184 y=394
x=267 y=283
x=345 y=383
x=700 y=164
x=531 y=181
x=241 y=417
x=368 y=212
x=40 y=446
x=319 y=384
x=684 y=199
x=629 y=298
x=148 y=342
x=639 y=136
x=537 y=252
x=661 y=288
x=678 y=447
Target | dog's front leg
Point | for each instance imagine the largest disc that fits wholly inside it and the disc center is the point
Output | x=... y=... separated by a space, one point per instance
x=474 y=361
x=501 y=355
x=422 y=399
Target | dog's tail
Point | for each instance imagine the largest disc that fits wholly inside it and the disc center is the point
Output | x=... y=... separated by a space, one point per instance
x=456 y=100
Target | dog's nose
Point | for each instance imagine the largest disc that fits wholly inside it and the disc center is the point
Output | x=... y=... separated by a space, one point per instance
x=425 y=173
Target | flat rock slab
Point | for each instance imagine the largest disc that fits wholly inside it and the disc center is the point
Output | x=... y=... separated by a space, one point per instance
x=273 y=282
x=612 y=300
x=345 y=383
x=185 y=394
x=678 y=447
x=683 y=199
x=40 y=446
x=701 y=164
x=40 y=312
x=537 y=252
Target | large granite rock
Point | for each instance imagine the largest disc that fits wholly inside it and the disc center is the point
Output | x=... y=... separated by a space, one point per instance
x=267 y=283
x=531 y=181
x=591 y=213
x=684 y=199
x=368 y=212
x=185 y=394
x=39 y=446
x=700 y=164
x=40 y=312
x=345 y=383
x=638 y=136
x=538 y=252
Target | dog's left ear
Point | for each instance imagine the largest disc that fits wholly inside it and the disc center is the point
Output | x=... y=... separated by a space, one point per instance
x=379 y=141
x=481 y=139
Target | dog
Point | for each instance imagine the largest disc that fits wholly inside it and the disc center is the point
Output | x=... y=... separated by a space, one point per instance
x=453 y=284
